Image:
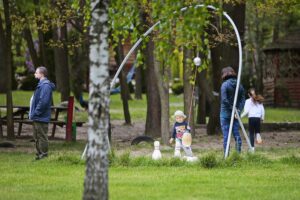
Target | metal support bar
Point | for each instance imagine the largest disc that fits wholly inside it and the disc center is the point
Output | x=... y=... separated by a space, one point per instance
x=243 y=128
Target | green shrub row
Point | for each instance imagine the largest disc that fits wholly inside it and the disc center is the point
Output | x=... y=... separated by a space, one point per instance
x=208 y=161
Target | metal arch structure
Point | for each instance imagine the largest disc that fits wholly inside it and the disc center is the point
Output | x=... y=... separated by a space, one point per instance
x=239 y=71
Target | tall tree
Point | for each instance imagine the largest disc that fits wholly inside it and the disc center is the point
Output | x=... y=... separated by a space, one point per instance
x=3 y=67
x=96 y=179
x=153 y=117
x=61 y=62
x=60 y=36
x=224 y=54
x=162 y=73
x=5 y=40
x=124 y=86
x=138 y=77
x=39 y=23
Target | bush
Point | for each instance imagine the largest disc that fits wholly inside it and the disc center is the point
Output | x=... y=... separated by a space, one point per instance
x=177 y=88
x=112 y=158
x=124 y=159
x=176 y=162
x=291 y=160
x=67 y=159
x=209 y=161
x=257 y=159
x=234 y=160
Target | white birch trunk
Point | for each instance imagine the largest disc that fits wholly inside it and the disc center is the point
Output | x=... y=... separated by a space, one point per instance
x=96 y=179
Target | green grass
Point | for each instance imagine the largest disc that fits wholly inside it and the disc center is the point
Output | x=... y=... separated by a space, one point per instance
x=61 y=176
x=138 y=108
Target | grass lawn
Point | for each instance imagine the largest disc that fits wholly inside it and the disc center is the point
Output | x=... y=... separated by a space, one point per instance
x=268 y=174
x=61 y=177
x=138 y=108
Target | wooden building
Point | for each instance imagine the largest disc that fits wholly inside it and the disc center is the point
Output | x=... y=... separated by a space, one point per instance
x=281 y=72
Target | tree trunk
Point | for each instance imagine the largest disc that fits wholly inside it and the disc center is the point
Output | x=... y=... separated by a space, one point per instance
x=257 y=53
x=61 y=63
x=5 y=36
x=213 y=126
x=153 y=118
x=138 y=83
x=96 y=179
x=222 y=56
x=201 y=112
x=187 y=87
x=78 y=62
x=124 y=86
x=162 y=75
x=153 y=122
x=42 y=53
x=33 y=54
x=3 y=67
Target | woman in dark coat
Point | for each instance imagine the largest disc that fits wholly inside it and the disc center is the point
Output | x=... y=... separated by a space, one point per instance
x=227 y=98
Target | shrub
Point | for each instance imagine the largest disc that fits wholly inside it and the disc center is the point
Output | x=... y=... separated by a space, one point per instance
x=257 y=159
x=177 y=88
x=112 y=158
x=209 y=161
x=233 y=160
x=176 y=162
x=67 y=158
x=141 y=161
x=124 y=159
x=291 y=160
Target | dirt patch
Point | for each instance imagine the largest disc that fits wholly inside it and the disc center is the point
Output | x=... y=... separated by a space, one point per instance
x=122 y=135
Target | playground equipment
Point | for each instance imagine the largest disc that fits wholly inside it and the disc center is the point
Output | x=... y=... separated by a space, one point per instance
x=196 y=60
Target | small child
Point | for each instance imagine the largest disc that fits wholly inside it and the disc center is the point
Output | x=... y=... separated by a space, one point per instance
x=180 y=127
x=256 y=113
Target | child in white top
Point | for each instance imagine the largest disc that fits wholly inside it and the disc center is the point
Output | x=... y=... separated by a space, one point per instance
x=256 y=113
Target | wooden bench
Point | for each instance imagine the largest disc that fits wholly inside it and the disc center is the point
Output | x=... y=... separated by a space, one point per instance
x=22 y=111
x=28 y=121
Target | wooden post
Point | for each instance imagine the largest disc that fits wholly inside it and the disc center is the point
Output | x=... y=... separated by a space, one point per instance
x=70 y=118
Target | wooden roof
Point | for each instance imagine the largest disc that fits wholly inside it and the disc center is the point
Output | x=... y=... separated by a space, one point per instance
x=290 y=42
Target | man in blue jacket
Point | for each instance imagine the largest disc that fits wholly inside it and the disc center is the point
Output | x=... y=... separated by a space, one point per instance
x=40 y=111
x=227 y=97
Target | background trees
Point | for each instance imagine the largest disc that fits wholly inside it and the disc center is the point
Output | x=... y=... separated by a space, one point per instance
x=266 y=21
x=6 y=64
x=55 y=33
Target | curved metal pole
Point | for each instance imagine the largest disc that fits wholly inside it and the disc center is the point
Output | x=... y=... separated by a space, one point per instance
x=112 y=84
x=238 y=82
x=239 y=72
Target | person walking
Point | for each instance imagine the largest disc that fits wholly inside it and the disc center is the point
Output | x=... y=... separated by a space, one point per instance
x=256 y=113
x=40 y=111
x=227 y=97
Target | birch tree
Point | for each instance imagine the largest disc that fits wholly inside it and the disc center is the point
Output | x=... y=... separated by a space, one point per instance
x=96 y=179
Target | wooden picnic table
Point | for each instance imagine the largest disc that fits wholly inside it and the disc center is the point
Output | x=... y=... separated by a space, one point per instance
x=20 y=115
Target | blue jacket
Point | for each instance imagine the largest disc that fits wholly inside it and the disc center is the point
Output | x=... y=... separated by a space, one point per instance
x=40 y=108
x=227 y=97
